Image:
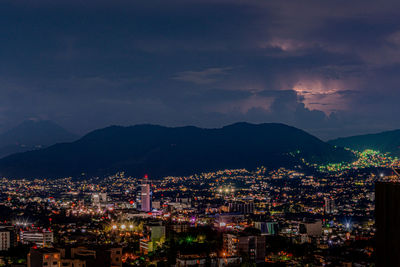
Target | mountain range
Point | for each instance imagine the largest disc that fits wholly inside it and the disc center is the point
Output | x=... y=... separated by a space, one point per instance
x=32 y=135
x=388 y=141
x=162 y=151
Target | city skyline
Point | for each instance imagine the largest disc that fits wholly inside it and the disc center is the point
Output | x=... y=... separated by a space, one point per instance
x=196 y=133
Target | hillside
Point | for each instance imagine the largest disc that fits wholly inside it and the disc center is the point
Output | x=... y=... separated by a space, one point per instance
x=388 y=141
x=162 y=151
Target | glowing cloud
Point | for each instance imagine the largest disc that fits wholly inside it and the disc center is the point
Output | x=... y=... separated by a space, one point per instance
x=321 y=95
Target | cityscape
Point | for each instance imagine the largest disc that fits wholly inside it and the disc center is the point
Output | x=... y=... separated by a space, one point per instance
x=291 y=217
x=199 y=133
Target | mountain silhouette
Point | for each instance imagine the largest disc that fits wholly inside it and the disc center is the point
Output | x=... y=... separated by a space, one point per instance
x=162 y=151
x=31 y=135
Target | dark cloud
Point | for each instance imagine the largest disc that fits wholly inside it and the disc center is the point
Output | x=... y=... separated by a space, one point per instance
x=328 y=67
x=210 y=75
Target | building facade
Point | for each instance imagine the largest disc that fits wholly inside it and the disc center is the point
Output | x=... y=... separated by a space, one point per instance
x=145 y=195
x=250 y=246
x=5 y=240
x=45 y=257
x=39 y=238
x=387 y=220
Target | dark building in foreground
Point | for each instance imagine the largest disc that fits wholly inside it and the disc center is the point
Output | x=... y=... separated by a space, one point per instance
x=250 y=246
x=44 y=257
x=75 y=257
x=387 y=219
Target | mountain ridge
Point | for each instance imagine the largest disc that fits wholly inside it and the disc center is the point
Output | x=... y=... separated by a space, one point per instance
x=31 y=135
x=386 y=141
x=162 y=151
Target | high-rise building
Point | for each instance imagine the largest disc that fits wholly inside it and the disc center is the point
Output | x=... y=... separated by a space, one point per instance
x=387 y=220
x=8 y=237
x=5 y=240
x=230 y=242
x=154 y=235
x=99 y=200
x=252 y=246
x=267 y=228
x=329 y=206
x=145 y=194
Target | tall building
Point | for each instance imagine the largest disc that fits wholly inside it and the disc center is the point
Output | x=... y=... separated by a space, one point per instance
x=145 y=194
x=251 y=246
x=230 y=242
x=329 y=206
x=387 y=220
x=154 y=235
x=99 y=200
x=8 y=237
x=5 y=240
x=267 y=228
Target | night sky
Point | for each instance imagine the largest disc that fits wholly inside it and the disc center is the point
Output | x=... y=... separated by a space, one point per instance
x=329 y=67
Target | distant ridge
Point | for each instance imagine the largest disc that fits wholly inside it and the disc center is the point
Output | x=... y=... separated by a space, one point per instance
x=162 y=151
x=33 y=134
x=388 y=141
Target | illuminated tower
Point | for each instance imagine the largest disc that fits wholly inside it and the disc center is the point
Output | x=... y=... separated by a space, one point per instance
x=329 y=206
x=145 y=194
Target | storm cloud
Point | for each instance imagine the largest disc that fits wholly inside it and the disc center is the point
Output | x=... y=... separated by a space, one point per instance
x=331 y=68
